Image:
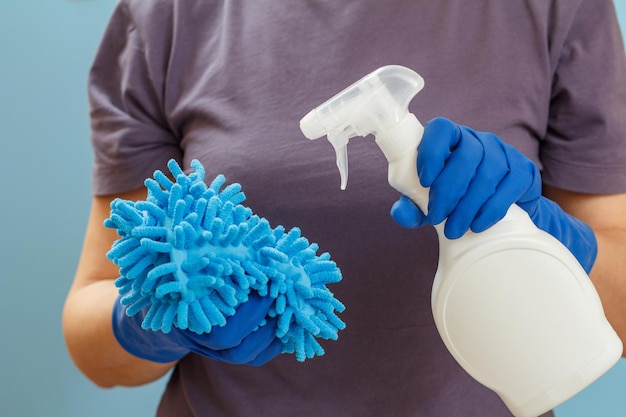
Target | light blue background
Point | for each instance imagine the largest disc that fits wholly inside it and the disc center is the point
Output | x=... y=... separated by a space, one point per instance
x=45 y=158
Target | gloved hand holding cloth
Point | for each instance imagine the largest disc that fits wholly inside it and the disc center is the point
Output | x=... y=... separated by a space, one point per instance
x=239 y=341
x=201 y=273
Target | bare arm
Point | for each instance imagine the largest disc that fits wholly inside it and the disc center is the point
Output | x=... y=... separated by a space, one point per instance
x=606 y=214
x=88 y=307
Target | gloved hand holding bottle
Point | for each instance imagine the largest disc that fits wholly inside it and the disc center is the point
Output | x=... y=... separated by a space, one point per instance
x=239 y=341
x=474 y=177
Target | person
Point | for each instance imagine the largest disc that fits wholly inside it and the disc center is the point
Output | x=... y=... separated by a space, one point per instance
x=226 y=82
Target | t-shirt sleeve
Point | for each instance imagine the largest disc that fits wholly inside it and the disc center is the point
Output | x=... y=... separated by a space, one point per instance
x=585 y=146
x=129 y=130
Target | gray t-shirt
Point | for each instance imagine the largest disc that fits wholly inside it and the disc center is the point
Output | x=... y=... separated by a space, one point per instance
x=227 y=82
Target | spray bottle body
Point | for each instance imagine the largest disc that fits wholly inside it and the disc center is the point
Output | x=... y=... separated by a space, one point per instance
x=512 y=304
x=520 y=315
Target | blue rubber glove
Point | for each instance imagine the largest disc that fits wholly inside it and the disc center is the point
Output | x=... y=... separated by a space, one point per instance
x=474 y=177
x=236 y=342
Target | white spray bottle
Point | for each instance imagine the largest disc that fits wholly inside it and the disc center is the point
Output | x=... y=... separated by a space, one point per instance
x=512 y=304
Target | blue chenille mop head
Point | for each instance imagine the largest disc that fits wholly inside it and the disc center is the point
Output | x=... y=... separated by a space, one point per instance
x=191 y=254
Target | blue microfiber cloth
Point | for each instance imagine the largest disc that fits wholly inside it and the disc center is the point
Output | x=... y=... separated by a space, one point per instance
x=192 y=253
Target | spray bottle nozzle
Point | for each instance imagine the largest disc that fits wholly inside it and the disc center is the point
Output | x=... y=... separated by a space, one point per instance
x=372 y=105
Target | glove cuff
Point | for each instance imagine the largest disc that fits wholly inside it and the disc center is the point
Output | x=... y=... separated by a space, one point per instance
x=576 y=235
x=147 y=344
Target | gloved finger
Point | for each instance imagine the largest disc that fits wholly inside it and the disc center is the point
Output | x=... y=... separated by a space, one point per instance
x=261 y=344
x=273 y=350
x=496 y=207
x=454 y=179
x=440 y=137
x=406 y=213
x=521 y=183
x=482 y=187
x=258 y=347
x=247 y=318
x=533 y=191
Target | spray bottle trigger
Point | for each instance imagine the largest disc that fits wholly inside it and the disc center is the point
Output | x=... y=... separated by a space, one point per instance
x=340 y=143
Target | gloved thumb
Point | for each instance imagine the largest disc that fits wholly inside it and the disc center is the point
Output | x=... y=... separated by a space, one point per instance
x=406 y=213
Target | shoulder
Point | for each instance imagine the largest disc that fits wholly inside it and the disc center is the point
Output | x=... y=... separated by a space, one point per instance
x=162 y=22
x=154 y=13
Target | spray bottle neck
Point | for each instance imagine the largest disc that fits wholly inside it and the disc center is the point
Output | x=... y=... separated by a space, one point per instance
x=400 y=139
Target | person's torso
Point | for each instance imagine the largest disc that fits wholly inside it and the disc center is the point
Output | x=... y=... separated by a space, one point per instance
x=239 y=77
